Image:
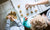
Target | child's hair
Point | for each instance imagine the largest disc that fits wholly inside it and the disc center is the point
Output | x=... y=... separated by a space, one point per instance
x=38 y=23
x=12 y=14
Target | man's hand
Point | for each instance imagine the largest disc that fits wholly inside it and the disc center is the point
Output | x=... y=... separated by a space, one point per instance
x=11 y=18
x=29 y=5
x=45 y=17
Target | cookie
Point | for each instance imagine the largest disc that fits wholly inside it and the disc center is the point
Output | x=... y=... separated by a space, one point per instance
x=34 y=6
x=22 y=15
x=31 y=11
x=18 y=6
x=35 y=10
x=30 y=7
x=20 y=11
x=27 y=14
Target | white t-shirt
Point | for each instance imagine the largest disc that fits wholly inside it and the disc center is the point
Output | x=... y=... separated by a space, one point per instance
x=48 y=3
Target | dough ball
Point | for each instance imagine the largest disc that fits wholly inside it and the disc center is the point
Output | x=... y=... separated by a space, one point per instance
x=22 y=15
x=20 y=11
x=26 y=8
x=27 y=14
x=18 y=6
x=31 y=11
x=36 y=10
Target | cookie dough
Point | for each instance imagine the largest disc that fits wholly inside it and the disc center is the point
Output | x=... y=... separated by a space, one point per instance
x=27 y=14
x=26 y=8
x=22 y=15
x=20 y=11
x=18 y=6
x=36 y=10
x=30 y=7
x=31 y=11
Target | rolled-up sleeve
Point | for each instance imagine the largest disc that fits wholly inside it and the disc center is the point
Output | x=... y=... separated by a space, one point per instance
x=7 y=25
x=21 y=27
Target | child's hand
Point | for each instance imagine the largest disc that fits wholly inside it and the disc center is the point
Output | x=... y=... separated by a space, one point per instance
x=8 y=16
x=26 y=18
x=12 y=19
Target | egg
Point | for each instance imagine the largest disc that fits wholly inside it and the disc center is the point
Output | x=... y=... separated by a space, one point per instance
x=26 y=8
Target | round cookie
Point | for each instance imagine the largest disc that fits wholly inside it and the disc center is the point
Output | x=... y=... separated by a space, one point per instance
x=36 y=10
x=18 y=6
x=31 y=11
x=20 y=11
x=27 y=14
x=22 y=15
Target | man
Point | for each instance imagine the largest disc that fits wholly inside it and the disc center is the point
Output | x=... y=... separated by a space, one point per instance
x=46 y=2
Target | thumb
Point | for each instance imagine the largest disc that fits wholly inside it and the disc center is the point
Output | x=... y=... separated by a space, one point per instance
x=43 y=15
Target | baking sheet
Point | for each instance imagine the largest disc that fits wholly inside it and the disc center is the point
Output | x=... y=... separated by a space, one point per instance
x=22 y=4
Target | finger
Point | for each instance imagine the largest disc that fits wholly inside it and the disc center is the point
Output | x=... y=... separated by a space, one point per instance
x=43 y=15
x=10 y=17
x=26 y=5
x=7 y=16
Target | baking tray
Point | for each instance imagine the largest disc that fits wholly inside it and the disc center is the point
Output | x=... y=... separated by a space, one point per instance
x=22 y=3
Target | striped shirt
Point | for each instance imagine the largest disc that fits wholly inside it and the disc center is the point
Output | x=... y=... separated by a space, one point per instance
x=16 y=25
